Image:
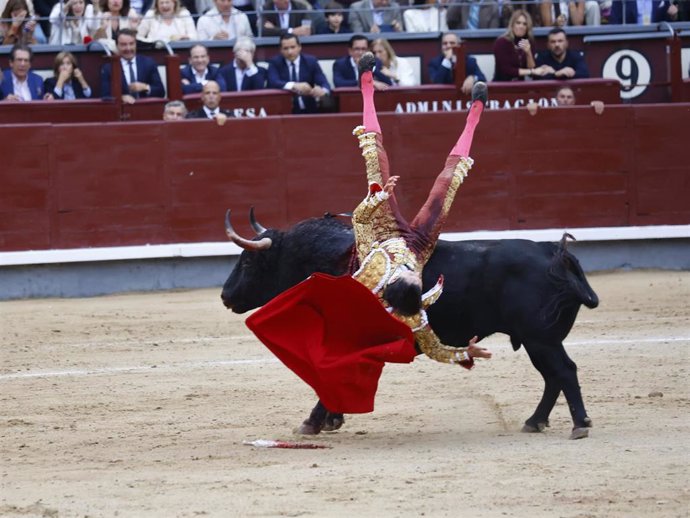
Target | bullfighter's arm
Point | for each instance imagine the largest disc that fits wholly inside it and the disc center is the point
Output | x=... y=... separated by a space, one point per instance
x=431 y=345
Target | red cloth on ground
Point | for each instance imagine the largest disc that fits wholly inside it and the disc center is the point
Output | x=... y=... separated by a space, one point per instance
x=335 y=335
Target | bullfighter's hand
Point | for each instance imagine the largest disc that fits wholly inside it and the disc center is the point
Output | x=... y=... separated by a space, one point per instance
x=390 y=185
x=477 y=352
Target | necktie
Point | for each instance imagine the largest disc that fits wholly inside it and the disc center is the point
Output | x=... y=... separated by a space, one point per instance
x=473 y=21
x=293 y=72
x=132 y=76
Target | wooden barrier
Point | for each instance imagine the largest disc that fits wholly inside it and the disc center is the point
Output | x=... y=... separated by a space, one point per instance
x=261 y=103
x=432 y=98
x=81 y=185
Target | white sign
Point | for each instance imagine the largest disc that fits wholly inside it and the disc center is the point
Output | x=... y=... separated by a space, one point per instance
x=632 y=70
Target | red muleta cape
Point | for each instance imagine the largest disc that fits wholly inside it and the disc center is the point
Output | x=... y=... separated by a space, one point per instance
x=335 y=335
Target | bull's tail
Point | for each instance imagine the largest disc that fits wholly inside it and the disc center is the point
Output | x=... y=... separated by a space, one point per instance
x=572 y=286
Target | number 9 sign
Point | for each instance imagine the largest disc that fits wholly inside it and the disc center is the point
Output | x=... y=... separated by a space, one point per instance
x=631 y=68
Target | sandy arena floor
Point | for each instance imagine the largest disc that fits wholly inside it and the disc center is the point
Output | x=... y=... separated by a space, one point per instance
x=137 y=405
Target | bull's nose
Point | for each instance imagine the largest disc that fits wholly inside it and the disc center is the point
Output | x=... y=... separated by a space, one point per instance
x=226 y=302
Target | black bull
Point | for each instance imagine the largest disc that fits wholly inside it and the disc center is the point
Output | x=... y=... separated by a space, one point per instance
x=530 y=291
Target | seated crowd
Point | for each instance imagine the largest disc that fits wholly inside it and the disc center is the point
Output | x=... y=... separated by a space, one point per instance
x=64 y=22
x=291 y=69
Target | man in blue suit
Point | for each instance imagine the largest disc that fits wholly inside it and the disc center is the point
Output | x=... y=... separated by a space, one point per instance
x=19 y=83
x=299 y=73
x=441 y=67
x=241 y=73
x=345 y=72
x=198 y=72
x=140 y=77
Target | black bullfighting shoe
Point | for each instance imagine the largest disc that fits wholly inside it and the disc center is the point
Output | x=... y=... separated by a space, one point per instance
x=480 y=92
x=366 y=63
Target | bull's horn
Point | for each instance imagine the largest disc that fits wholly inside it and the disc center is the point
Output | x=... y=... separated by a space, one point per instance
x=246 y=244
x=258 y=228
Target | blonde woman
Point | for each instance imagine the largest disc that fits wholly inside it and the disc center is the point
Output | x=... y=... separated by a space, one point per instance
x=513 y=50
x=397 y=70
x=72 y=22
x=167 y=22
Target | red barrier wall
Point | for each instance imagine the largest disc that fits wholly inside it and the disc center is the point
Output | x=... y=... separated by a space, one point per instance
x=132 y=183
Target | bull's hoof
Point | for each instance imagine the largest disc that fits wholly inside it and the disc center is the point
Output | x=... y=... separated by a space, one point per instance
x=530 y=428
x=333 y=423
x=579 y=433
x=307 y=428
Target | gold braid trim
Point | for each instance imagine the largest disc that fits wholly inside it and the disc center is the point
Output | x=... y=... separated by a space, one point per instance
x=367 y=142
x=460 y=172
x=431 y=346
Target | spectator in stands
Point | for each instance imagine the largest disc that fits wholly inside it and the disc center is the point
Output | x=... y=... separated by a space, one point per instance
x=242 y=73
x=442 y=66
x=335 y=20
x=560 y=13
x=167 y=21
x=114 y=16
x=174 y=111
x=198 y=71
x=475 y=14
x=288 y=16
x=428 y=16
x=643 y=13
x=300 y=74
x=210 y=109
x=223 y=22
x=68 y=82
x=18 y=25
x=561 y=62
x=513 y=50
x=73 y=23
x=566 y=97
x=376 y=16
x=398 y=70
x=345 y=69
x=19 y=83
x=508 y=7
x=139 y=76
x=32 y=15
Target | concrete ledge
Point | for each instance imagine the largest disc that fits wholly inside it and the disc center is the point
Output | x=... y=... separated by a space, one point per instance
x=181 y=250
x=91 y=272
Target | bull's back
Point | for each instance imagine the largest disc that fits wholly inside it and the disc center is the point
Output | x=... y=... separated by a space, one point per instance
x=490 y=287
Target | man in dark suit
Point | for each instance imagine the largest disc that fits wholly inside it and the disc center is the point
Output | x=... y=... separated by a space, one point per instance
x=19 y=83
x=198 y=71
x=345 y=71
x=289 y=16
x=560 y=62
x=210 y=109
x=441 y=67
x=241 y=73
x=140 y=77
x=299 y=73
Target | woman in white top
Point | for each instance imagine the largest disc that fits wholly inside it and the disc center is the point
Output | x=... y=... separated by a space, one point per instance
x=398 y=70
x=72 y=23
x=167 y=22
x=114 y=16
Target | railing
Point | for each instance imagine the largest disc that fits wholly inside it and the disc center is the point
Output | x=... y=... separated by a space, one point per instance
x=623 y=12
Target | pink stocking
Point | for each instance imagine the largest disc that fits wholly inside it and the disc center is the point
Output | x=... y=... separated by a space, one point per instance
x=464 y=143
x=371 y=121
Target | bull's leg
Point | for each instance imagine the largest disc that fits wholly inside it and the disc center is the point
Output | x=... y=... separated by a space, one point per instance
x=315 y=422
x=559 y=373
x=333 y=422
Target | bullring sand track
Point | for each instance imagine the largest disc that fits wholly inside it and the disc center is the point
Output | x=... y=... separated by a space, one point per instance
x=137 y=405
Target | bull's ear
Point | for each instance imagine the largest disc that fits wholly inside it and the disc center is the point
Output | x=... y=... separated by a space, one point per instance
x=258 y=228
x=246 y=244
